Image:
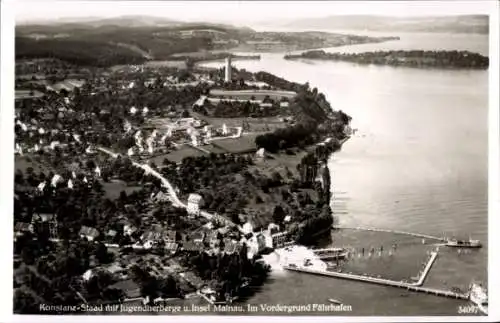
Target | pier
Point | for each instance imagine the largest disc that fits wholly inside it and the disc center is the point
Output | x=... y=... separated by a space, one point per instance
x=417 y=235
x=414 y=287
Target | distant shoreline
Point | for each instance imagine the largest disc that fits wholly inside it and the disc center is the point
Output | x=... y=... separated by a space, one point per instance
x=406 y=58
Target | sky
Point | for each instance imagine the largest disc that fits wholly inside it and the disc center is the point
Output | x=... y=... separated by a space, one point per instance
x=239 y=12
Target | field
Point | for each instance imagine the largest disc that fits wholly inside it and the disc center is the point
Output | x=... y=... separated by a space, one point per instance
x=258 y=94
x=113 y=188
x=244 y=144
x=214 y=149
x=177 y=155
x=278 y=162
x=255 y=124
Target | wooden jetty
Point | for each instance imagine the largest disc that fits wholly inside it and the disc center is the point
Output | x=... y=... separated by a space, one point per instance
x=415 y=287
x=413 y=234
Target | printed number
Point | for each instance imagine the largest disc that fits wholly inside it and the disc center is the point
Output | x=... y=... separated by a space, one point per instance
x=467 y=309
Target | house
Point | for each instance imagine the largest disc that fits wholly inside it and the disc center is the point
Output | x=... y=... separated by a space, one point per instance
x=152 y=236
x=279 y=239
x=273 y=228
x=195 y=201
x=231 y=246
x=171 y=246
x=89 y=233
x=266 y=105
x=247 y=228
x=87 y=275
x=200 y=102
x=111 y=234
x=129 y=229
x=212 y=239
x=23 y=228
x=192 y=246
x=198 y=236
x=42 y=217
x=170 y=236
x=224 y=230
x=161 y=197
x=261 y=242
x=46 y=222
x=261 y=153
x=268 y=240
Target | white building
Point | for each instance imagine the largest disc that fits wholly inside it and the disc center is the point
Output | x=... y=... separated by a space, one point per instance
x=194 y=203
x=261 y=153
x=247 y=228
x=56 y=179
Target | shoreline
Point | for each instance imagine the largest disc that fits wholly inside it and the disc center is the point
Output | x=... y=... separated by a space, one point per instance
x=444 y=59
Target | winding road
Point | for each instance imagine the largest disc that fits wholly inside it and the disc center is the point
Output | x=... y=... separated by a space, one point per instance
x=171 y=191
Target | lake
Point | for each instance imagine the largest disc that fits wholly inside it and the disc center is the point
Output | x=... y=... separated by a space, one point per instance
x=417 y=163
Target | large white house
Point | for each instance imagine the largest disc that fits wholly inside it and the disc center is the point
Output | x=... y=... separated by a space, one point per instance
x=194 y=203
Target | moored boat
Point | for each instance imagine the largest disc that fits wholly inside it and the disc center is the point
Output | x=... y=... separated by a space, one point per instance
x=463 y=243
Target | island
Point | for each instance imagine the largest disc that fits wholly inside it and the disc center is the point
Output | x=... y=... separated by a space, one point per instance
x=413 y=58
x=147 y=184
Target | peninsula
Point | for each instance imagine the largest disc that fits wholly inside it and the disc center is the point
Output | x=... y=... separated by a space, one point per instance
x=414 y=58
x=146 y=184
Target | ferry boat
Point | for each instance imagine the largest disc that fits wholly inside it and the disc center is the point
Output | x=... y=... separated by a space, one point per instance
x=477 y=295
x=463 y=243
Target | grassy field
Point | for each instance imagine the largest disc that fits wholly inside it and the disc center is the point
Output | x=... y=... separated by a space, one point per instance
x=181 y=153
x=258 y=94
x=113 y=188
x=246 y=143
x=278 y=163
x=213 y=149
x=255 y=124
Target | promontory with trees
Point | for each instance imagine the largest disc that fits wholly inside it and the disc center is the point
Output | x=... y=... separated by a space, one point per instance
x=410 y=58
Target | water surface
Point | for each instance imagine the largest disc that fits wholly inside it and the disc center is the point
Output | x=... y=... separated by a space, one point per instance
x=418 y=163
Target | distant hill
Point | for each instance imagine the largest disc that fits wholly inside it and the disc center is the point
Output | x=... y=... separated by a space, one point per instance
x=135 y=39
x=126 y=21
x=452 y=24
x=131 y=21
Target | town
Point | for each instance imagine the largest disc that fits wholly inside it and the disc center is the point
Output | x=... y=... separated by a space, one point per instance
x=147 y=184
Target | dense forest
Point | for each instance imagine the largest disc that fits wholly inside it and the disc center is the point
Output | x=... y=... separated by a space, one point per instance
x=413 y=58
x=79 y=52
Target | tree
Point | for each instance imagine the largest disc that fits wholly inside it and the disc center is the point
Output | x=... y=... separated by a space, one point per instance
x=19 y=177
x=25 y=303
x=102 y=255
x=278 y=214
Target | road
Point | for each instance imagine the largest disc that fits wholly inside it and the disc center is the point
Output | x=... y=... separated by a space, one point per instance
x=171 y=191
